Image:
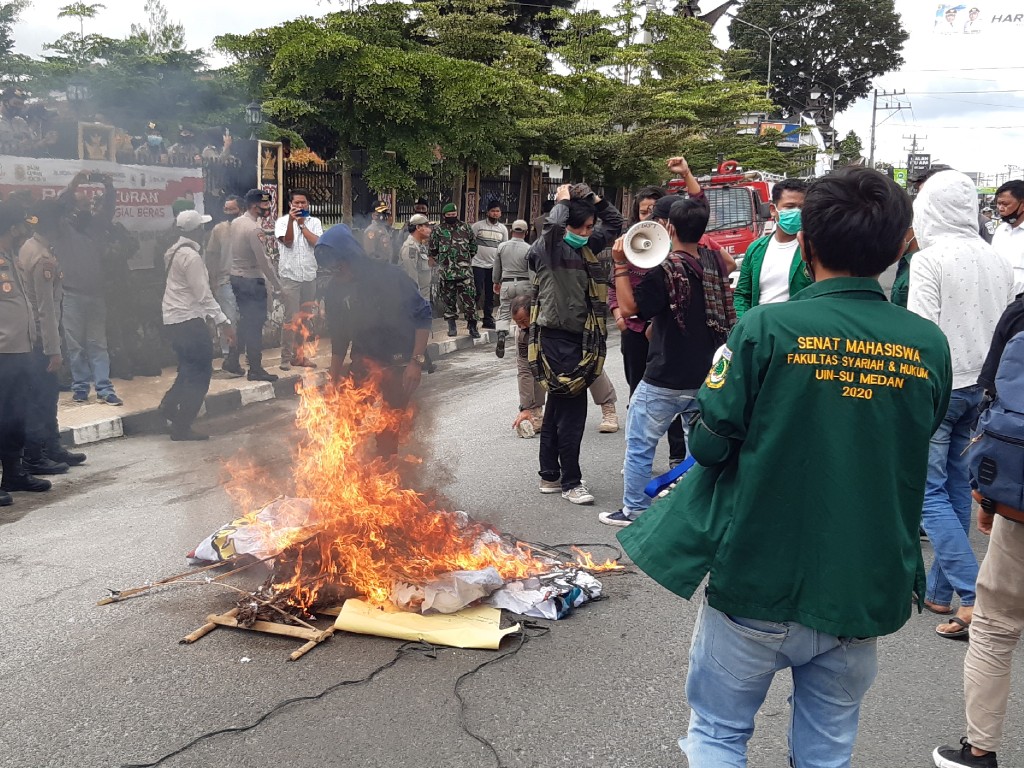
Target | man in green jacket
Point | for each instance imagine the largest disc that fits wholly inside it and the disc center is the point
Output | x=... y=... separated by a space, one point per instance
x=811 y=561
x=772 y=270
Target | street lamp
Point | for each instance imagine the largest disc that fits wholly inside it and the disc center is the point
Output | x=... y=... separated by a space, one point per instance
x=771 y=39
x=832 y=117
x=254 y=117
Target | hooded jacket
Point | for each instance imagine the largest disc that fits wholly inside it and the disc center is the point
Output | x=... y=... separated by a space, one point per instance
x=957 y=280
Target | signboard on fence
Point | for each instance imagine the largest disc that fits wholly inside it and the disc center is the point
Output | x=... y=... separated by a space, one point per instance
x=145 y=193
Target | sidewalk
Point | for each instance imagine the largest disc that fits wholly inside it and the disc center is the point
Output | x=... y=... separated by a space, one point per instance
x=90 y=422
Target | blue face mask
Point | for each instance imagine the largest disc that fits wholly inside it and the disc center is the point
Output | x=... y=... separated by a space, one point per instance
x=154 y=141
x=789 y=221
x=574 y=240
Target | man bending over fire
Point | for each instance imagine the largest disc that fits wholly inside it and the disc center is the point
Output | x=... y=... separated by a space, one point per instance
x=378 y=310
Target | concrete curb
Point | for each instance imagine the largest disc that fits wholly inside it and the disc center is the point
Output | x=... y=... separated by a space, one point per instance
x=248 y=393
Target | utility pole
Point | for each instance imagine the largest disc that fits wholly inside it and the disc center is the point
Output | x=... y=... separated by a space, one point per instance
x=885 y=102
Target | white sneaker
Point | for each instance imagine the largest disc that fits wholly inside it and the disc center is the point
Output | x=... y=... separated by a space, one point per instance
x=551 y=486
x=579 y=495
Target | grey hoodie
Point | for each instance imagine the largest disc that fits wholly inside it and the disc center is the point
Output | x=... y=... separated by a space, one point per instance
x=957 y=280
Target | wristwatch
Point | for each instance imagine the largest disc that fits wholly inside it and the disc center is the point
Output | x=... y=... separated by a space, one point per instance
x=420 y=359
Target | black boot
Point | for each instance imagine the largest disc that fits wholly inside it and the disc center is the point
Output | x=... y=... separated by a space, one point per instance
x=57 y=452
x=489 y=323
x=6 y=499
x=452 y=330
x=17 y=479
x=231 y=364
x=473 y=332
x=499 y=348
x=44 y=466
x=256 y=370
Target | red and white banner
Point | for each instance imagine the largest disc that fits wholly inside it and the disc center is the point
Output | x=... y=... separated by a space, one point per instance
x=145 y=193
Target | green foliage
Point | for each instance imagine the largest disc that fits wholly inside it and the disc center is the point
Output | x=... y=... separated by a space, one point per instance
x=160 y=35
x=850 y=149
x=9 y=13
x=831 y=42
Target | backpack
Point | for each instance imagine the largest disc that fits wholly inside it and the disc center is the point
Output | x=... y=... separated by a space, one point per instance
x=997 y=445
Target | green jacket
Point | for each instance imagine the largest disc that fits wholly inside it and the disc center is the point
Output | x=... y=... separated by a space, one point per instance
x=748 y=288
x=812 y=445
x=901 y=284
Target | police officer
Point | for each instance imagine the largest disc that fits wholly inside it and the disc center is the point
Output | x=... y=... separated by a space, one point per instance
x=44 y=455
x=17 y=334
x=377 y=237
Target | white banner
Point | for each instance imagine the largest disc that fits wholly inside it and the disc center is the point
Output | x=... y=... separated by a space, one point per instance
x=145 y=193
x=983 y=17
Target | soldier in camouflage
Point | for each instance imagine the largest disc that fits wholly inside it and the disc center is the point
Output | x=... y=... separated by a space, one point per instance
x=452 y=247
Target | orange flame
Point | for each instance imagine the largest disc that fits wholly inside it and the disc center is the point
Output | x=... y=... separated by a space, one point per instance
x=370 y=532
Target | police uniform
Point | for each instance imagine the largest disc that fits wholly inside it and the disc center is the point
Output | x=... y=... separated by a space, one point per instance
x=377 y=242
x=43 y=289
x=17 y=334
x=813 y=442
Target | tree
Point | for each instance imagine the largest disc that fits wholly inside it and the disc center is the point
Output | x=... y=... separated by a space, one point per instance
x=9 y=13
x=160 y=35
x=75 y=51
x=840 y=44
x=850 y=149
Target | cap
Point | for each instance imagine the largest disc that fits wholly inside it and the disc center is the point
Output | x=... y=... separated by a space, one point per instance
x=449 y=208
x=189 y=220
x=182 y=204
x=663 y=205
x=183 y=131
x=381 y=207
x=254 y=196
x=987 y=209
x=520 y=226
x=417 y=219
x=421 y=201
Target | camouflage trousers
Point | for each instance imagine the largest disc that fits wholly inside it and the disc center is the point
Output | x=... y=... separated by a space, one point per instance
x=458 y=296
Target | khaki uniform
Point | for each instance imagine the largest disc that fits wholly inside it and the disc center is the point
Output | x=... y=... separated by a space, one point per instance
x=44 y=291
x=17 y=330
x=17 y=333
x=377 y=242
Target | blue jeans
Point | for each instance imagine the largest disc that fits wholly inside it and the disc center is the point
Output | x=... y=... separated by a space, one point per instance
x=651 y=411
x=732 y=663
x=85 y=331
x=946 y=516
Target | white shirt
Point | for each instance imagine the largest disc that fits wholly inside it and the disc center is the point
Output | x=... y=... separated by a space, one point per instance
x=297 y=261
x=187 y=294
x=775 y=269
x=1009 y=242
x=488 y=238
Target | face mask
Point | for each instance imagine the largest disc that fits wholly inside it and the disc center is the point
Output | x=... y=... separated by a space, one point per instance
x=789 y=221
x=1012 y=218
x=574 y=240
x=450 y=220
x=154 y=141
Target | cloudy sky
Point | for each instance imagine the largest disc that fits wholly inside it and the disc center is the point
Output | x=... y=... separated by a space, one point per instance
x=962 y=90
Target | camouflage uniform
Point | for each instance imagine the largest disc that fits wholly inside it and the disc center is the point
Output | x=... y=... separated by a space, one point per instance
x=453 y=248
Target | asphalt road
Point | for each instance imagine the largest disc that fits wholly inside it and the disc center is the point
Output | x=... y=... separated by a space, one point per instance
x=104 y=686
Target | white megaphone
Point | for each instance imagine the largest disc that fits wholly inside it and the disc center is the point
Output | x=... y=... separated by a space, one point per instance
x=646 y=244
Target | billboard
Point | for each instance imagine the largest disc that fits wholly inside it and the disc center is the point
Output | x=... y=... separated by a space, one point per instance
x=790 y=132
x=145 y=193
x=899 y=175
x=983 y=17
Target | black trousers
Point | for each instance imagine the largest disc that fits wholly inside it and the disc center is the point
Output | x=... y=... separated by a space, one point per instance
x=251 y=298
x=41 y=431
x=191 y=343
x=634 y=361
x=15 y=382
x=565 y=418
x=392 y=391
x=482 y=277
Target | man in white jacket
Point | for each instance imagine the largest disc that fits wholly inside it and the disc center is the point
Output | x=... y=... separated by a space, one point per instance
x=187 y=303
x=959 y=282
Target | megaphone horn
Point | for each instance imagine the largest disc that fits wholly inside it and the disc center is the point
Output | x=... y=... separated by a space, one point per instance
x=647 y=244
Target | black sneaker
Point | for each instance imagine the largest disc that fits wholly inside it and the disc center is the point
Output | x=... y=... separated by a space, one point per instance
x=259 y=374
x=25 y=482
x=65 y=456
x=6 y=499
x=44 y=466
x=80 y=397
x=452 y=330
x=232 y=366
x=473 y=332
x=489 y=323
x=952 y=757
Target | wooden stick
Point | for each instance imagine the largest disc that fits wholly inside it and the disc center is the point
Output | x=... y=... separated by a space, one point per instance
x=296 y=655
x=118 y=596
x=270 y=627
x=204 y=630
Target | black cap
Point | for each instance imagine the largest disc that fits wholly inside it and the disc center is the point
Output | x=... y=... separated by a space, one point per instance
x=254 y=196
x=663 y=205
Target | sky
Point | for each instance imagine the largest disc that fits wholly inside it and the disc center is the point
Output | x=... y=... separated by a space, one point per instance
x=966 y=106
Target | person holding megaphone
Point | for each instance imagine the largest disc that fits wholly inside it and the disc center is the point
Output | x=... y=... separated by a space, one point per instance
x=688 y=301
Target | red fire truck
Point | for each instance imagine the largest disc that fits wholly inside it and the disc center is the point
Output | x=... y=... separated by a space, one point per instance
x=739 y=203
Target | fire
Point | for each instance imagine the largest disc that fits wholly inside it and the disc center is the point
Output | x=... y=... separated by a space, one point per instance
x=368 y=531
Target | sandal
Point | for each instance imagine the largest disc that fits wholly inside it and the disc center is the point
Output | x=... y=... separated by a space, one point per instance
x=935 y=608
x=963 y=632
